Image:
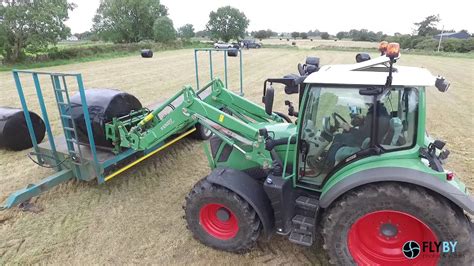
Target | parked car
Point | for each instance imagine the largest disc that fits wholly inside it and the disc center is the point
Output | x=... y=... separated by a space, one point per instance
x=222 y=45
x=251 y=44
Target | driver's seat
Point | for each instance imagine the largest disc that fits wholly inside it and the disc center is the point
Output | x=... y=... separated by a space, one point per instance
x=347 y=151
x=394 y=135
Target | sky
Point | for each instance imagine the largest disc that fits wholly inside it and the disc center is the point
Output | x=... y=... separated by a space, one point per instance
x=304 y=15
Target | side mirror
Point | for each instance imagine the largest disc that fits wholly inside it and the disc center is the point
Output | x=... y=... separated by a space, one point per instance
x=442 y=84
x=312 y=60
x=311 y=68
x=361 y=57
x=268 y=100
x=301 y=69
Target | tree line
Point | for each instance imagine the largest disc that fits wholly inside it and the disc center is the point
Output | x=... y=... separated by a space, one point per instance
x=29 y=27
x=422 y=38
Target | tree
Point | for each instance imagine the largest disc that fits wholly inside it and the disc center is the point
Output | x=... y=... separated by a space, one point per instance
x=366 y=35
x=227 y=23
x=32 y=25
x=427 y=27
x=87 y=35
x=261 y=34
x=127 y=20
x=186 y=31
x=314 y=33
x=295 y=34
x=3 y=41
x=324 y=35
x=271 y=33
x=304 y=35
x=163 y=30
x=202 y=33
x=341 y=35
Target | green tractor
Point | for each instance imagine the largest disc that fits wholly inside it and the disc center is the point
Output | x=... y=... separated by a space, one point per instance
x=356 y=167
x=354 y=164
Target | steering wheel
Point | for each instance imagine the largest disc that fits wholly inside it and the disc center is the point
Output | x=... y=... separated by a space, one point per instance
x=284 y=116
x=337 y=120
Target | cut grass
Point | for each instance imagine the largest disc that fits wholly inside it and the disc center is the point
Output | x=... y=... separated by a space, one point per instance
x=137 y=216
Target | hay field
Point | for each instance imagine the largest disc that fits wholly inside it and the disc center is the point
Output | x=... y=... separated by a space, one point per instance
x=319 y=43
x=137 y=216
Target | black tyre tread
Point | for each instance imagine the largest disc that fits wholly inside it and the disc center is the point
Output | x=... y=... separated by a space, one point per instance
x=450 y=217
x=199 y=134
x=203 y=188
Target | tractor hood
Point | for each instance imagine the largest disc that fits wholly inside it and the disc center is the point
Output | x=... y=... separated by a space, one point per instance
x=280 y=130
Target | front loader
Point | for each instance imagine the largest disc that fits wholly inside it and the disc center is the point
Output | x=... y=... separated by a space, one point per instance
x=354 y=165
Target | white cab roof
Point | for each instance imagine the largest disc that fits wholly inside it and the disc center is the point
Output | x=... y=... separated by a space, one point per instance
x=365 y=73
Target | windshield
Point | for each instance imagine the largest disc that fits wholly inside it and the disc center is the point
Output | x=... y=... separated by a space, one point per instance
x=339 y=122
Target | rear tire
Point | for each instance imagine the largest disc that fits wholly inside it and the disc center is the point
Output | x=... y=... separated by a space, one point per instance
x=364 y=223
x=201 y=133
x=221 y=219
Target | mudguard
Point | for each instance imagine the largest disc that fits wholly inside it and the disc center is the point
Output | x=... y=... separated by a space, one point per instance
x=249 y=189
x=398 y=174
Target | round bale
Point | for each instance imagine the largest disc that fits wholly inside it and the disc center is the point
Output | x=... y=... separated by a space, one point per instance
x=104 y=105
x=14 y=133
x=233 y=52
x=147 y=53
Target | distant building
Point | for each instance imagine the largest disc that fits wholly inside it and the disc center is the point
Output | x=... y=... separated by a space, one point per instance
x=453 y=35
x=72 y=38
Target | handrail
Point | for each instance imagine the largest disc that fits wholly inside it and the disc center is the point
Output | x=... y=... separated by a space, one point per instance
x=286 y=157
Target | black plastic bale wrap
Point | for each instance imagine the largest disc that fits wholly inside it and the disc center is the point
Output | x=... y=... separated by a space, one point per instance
x=14 y=133
x=233 y=52
x=104 y=105
x=147 y=53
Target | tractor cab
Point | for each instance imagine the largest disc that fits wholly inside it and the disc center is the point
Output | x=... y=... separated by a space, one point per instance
x=353 y=112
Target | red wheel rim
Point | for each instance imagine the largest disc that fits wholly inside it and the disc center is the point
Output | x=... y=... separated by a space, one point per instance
x=377 y=238
x=218 y=221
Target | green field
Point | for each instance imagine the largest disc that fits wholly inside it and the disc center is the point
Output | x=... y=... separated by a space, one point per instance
x=137 y=216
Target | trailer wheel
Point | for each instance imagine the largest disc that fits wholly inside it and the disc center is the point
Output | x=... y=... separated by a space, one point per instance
x=201 y=133
x=221 y=219
x=377 y=224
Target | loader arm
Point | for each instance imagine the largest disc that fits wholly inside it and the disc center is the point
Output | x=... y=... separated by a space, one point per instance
x=229 y=116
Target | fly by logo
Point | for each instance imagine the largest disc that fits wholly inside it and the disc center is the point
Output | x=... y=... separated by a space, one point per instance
x=443 y=246
x=411 y=249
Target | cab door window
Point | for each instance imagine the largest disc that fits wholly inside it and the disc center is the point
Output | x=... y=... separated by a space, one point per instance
x=337 y=122
x=400 y=132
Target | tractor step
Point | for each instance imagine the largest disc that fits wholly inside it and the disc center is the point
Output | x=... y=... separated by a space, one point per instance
x=307 y=203
x=301 y=239
x=302 y=232
x=303 y=221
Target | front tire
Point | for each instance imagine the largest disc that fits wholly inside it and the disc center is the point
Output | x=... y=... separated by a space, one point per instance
x=221 y=219
x=201 y=133
x=371 y=224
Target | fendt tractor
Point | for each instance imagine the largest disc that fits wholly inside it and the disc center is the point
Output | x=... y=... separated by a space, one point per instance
x=353 y=168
